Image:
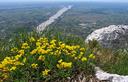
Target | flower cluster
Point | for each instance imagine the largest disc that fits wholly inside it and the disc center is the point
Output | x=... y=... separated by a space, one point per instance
x=9 y=64
x=43 y=56
x=63 y=65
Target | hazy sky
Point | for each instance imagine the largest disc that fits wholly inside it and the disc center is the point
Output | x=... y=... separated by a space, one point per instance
x=61 y=0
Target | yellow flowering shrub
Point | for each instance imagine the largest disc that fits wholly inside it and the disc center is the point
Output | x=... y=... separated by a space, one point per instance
x=34 y=65
x=42 y=58
x=45 y=72
x=25 y=46
x=32 y=39
x=83 y=59
x=13 y=68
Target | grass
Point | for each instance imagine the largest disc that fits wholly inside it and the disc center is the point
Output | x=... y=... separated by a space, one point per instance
x=113 y=61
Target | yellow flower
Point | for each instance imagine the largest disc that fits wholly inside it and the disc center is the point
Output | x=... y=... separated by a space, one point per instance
x=34 y=65
x=6 y=61
x=53 y=41
x=43 y=40
x=45 y=72
x=1 y=66
x=17 y=57
x=64 y=65
x=79 y=56
x=66 y=51
x=25 y=46
x=18 y=63
x=13 y=68
x=51 y=53
x=81 y=53
x=32 y=39
x=49 y=50
x=33 y=51
x=73 y=55
x=21 y=52
x=73 y=52
x=58 y=66
x=43 y=46
x=60 y=43
x=83 y=59
x=52 y=46
x=60 y=61
x=92 y=56
x=38 y=44
x=14 y=50
x=41 y=58
x=24 y=60
x=57 y=53
x=69 y=47
x=62 y=46
x=67 y=65
x=82 y=49
x=42 y=51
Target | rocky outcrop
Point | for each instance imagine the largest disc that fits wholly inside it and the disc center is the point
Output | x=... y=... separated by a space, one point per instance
x=113 y=36
x=104 y=76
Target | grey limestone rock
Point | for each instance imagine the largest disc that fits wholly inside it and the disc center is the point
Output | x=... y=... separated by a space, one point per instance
x=113 y=36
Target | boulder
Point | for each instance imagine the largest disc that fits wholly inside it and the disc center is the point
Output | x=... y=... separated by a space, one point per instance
x=107 y=77
x=113 y=36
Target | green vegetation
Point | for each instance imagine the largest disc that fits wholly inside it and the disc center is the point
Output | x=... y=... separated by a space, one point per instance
x=34 y=57
x=113 y=61
x=71 y=29
x=24 y=19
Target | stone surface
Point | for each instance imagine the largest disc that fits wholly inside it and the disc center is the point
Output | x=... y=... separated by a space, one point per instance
x=113 y=36
x=104 y=76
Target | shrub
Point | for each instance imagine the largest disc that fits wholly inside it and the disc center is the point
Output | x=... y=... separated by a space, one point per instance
x=44 y=59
